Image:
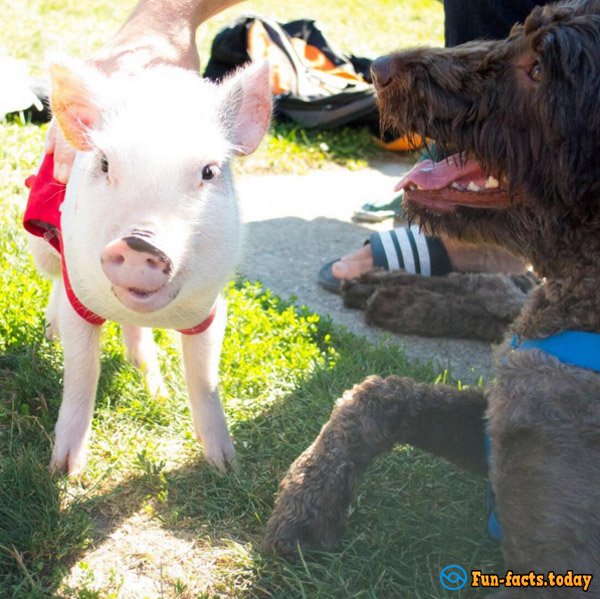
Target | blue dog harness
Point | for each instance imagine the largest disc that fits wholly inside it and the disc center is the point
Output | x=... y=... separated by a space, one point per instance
x=577 y=348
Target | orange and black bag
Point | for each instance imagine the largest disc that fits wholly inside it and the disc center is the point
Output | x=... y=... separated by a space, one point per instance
x=314 y=83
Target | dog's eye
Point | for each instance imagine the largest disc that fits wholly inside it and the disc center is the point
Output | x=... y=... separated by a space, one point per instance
x=536 y=72
x=104 y=163
x=210 y=171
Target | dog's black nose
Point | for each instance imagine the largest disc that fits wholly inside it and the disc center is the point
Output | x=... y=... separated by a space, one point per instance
x=381 y=71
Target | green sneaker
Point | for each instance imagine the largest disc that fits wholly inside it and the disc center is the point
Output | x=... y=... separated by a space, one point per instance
x=377 y=212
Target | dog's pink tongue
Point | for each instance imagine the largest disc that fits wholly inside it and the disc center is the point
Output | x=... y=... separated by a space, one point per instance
x=433 y=176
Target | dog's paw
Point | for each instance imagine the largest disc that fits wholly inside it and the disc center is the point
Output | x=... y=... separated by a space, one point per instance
x=311 y=505
x=292 y=529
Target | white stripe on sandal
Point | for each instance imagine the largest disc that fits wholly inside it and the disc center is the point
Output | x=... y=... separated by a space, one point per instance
x=409 y=250
x=391 y=255
x=406 y=249
x=422 y=250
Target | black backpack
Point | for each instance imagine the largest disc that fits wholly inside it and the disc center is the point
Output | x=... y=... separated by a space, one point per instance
x=314 y=83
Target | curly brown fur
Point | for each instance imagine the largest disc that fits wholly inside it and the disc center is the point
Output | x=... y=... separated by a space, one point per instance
x=524 y=108
x=462 y=305
x=544 y=424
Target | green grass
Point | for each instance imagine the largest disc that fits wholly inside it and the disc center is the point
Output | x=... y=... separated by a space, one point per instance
x=148 y=518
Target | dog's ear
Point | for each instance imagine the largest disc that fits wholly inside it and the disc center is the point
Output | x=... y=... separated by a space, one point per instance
x=74 y=105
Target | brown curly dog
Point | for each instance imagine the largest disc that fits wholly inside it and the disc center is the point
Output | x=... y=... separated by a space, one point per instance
x=525 y=114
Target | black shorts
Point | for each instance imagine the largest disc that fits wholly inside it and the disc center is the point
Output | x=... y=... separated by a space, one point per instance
x=468 y=20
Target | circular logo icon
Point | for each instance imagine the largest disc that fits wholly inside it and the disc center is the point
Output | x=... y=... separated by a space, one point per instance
x=453 y=577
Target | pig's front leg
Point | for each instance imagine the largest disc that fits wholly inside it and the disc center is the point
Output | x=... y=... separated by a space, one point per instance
x=81 y=350
x=201 y=355
x=141 y=352
x=53 y=311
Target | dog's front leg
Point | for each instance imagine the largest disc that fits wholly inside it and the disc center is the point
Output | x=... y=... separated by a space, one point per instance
x=313 y=498
x=201 y=355
x=426 y=312
x=81 y=351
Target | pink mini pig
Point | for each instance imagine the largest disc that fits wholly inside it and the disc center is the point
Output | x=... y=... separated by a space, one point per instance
x=148 y=232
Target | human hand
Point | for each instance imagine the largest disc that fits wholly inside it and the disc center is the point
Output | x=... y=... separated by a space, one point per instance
x=137 y=47
x=64 y=154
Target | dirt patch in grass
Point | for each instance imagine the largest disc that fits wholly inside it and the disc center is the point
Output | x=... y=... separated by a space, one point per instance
x=141 y=558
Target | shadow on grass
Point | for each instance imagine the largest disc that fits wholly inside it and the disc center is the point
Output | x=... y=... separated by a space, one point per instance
x=412 y=516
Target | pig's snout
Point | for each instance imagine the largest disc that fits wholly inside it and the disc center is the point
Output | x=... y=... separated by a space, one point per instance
x=136 y=264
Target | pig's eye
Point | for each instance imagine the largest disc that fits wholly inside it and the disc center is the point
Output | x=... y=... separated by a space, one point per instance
x=210 y=171
x=103 y=164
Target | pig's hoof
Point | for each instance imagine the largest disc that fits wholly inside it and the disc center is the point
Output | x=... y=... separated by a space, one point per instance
x=156 y=385
x=51 y=331
x=65 y=461
x=221 y=456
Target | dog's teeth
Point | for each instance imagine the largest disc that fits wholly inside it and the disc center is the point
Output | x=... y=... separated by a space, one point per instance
x=472 y=187
x=491 y=183
x=419 y=187
x=455 y=185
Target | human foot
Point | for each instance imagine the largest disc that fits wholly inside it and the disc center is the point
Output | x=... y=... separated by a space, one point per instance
x=406 y=249
x=353 y=265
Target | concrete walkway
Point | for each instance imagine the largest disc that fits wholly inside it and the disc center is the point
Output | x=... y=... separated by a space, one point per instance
x=297 y=223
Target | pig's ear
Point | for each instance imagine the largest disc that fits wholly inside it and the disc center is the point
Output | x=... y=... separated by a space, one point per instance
x=248 y=106
x=73 y=106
